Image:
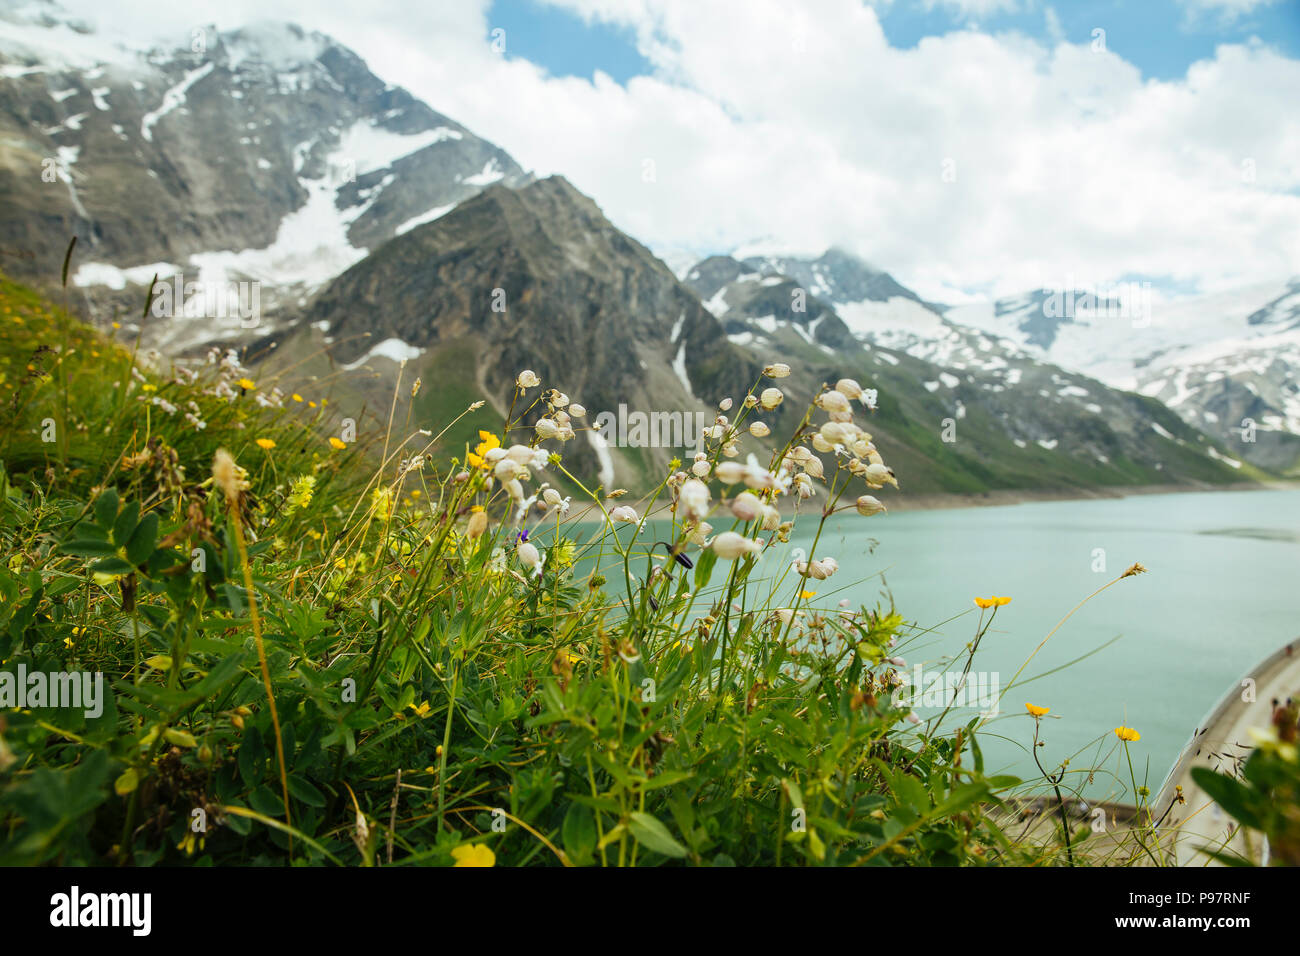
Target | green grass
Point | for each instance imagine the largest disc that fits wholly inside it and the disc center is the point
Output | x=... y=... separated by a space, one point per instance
x=437 y=701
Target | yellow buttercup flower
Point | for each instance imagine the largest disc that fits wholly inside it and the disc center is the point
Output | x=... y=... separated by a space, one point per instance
x=487 y=441
x=338 y=444
x=473 y=854
x=1036 y=711
x=297 y=397
x=266 y=444
x=1127 y=734
x=807 y=595
x=247 y=384
x=423 y=710
x=992 y=601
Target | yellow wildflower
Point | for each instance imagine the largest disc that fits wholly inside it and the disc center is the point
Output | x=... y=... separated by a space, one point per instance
x=1036 y=711
x=296 y=397
x=247 y=384
x=474 y=854
x=1127 y=734
x=381 y=502
x=266 y=444
x=992 y=601
x=423 y=710
x=562 y=554
x=301 y=490
x=338 y=444
x=807 y=595
x=487 y=441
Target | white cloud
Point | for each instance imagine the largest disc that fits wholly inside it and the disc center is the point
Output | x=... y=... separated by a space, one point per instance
x=801 y=123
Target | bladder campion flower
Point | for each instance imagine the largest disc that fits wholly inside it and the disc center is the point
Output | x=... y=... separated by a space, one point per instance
x=1127 y=734
x=527 y=379
x=473 y=854
x=693 y=500
x=530 y=557
x=729 y=546
x=1035 y=711
x=869 y=505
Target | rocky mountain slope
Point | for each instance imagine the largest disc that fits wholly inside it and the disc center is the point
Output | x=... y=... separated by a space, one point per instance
x=1228 y=363
x=267 y=154
x=964 y=405
x=536 y=278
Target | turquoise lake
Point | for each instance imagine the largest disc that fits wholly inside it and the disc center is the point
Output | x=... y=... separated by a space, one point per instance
x=1221 y=593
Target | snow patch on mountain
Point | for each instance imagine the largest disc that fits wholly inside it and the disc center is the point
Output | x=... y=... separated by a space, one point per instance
x=365 y=146
x=395 y=350
x=437 y=212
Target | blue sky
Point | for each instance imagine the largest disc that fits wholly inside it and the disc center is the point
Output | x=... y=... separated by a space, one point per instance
x=562 y=43
x=1160 y=37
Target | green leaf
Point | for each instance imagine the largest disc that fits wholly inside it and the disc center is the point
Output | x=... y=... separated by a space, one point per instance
x=1231 y=794
x=653 y=835
x=793 y=792
x=126 y=522
x=127 y=782
x=143 y=539
x=179 y=737
x=88 y=548
x=112 y=566
x=305 y=791
x=579 y=833
x=267 y=802
x=106 y=508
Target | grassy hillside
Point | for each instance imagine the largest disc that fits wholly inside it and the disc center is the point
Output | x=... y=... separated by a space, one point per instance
x=323 y=652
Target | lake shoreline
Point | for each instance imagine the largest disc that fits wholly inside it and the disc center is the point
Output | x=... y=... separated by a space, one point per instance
x=1001 y=497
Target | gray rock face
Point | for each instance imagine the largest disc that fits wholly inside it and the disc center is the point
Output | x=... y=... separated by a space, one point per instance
x=1228 y=363
x=537 y=278
x=268 y=153
x=1011 y=418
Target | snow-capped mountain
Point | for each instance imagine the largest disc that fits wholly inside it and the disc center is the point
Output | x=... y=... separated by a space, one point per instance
x=870 y=304
x=267 y=154
x=1228 y=363
x=978 y=405
x=376 y=231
